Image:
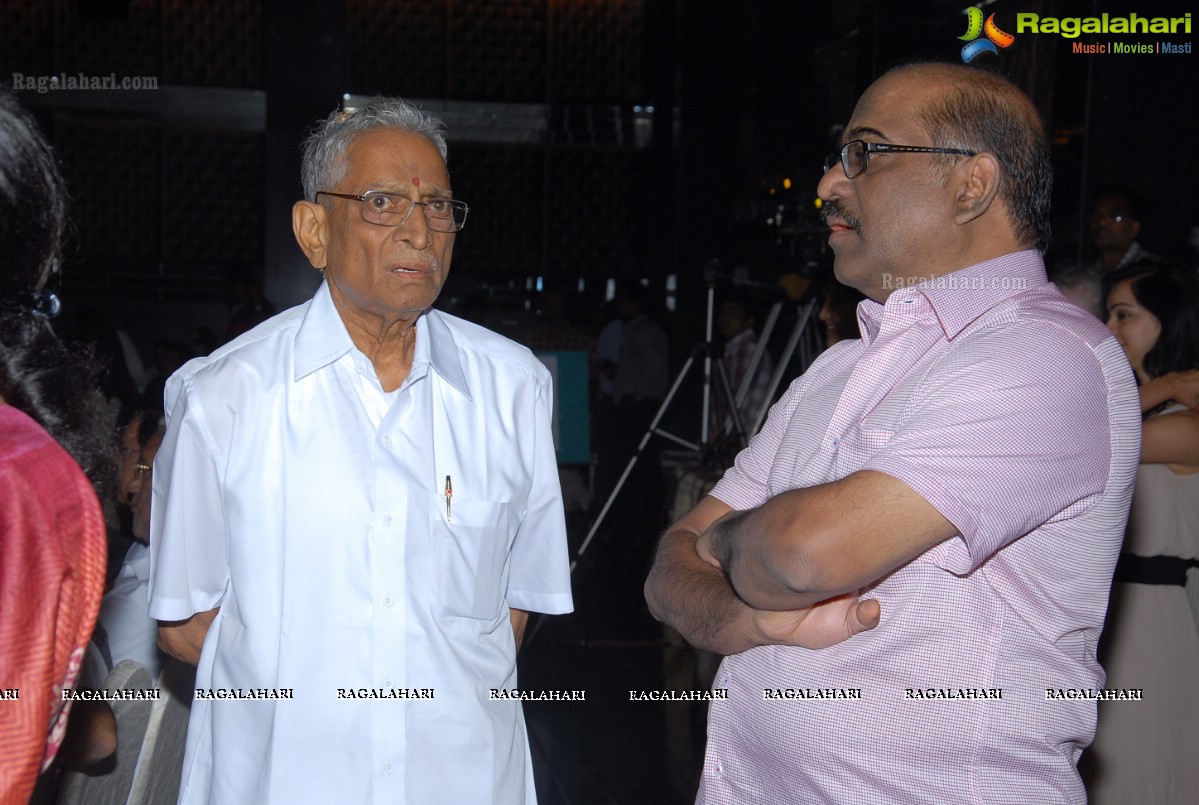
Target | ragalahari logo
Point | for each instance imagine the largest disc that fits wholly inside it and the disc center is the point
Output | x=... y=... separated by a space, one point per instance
x=975 y=27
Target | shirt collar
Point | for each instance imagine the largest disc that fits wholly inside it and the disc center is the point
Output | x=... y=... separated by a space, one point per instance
x=960 y=297
x=322 y=338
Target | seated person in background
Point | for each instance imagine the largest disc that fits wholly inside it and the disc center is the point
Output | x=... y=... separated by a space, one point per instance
x=53 y=430
x=125 y=614
x=1145 y=751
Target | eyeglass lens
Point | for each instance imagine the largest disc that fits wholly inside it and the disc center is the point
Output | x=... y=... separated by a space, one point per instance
x=392 y=209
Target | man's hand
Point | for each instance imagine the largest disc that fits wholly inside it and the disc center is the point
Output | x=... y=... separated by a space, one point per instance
x=184 y=640
x=820 y=625
x=691 y=595
x=519 y=619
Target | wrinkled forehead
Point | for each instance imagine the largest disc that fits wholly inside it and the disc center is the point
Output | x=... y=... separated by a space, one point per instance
x=395 y=155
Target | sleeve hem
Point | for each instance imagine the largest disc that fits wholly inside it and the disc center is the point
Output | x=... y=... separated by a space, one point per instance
x=545 y=603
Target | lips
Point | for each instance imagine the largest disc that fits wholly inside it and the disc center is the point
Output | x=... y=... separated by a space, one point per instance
x=412 y=270
x=838 y=219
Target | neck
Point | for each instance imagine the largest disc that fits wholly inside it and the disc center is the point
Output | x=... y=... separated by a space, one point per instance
x=390 y=346
x=979 y=249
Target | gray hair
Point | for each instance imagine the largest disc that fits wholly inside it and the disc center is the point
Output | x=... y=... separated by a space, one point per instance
x=324 y=165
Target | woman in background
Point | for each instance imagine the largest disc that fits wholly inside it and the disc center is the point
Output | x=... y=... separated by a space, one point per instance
x=53 y=422
x=1146 y=751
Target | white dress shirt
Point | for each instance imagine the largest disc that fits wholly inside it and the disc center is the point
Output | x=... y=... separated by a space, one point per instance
x=292 y=494
x=125 y=613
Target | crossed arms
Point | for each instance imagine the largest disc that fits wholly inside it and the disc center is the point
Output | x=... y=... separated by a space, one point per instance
x=788 y=571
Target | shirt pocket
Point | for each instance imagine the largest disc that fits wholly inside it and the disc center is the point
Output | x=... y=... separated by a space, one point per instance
x=471 y=544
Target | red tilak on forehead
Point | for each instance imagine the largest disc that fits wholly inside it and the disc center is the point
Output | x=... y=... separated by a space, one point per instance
x=416 y=181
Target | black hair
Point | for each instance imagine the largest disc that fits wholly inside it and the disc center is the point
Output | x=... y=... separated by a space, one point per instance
x=1126 y=194
x=985 y=113
x=1170 y=292
x=39 y=375
x=147 y=412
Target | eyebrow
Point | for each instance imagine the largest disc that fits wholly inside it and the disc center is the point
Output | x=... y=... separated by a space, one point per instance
x=426 y=190
x=858 y=132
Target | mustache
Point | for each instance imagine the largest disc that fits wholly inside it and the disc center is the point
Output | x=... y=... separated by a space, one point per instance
x=835 y=209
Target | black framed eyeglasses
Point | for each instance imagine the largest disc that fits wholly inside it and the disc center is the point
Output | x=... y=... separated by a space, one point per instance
x=854 y=156
x=394 y=209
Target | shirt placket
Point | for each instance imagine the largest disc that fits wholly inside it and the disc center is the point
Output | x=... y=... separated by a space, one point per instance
x=401 y=516
x=905 y=336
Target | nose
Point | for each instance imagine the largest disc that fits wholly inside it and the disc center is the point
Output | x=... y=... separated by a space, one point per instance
x=834 y=183
x=1112 y=325
x=132 y=486
x=415 y=230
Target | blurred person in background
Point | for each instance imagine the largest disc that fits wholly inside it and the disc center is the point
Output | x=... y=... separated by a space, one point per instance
x=130 y=632
x=1145 y=751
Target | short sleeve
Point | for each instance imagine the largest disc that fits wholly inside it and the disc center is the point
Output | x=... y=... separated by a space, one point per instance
x=189 y=538
x=1004 y=436
x=539 y=576
x=746 y=483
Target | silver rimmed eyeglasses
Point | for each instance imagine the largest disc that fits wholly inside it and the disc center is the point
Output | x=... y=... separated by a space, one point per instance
x=854 y=156
x=394 y=209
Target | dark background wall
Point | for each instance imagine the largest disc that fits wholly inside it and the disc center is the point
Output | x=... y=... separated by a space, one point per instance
x=592 y=139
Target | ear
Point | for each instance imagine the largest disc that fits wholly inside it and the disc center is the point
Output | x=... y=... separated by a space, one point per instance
x=977 y=181
x=309 y=223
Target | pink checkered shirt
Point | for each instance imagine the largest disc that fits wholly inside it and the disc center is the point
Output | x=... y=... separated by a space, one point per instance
x=1015 y=414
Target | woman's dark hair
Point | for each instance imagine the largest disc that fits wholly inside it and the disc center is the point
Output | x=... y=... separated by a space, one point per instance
x=1170 y=292
x=39 y=375
x=147 y=412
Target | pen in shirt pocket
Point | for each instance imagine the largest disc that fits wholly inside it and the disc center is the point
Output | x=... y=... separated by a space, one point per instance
x=449 y=495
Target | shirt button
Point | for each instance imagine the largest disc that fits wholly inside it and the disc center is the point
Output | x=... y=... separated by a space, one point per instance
x=387 y=439
x=719 y=771
x=388 y=520
x=725 y=679
x=388 y=767
x=388 y=600
x=387 y=682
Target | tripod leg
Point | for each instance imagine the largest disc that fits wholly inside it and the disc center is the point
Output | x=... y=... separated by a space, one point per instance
x=624 y=476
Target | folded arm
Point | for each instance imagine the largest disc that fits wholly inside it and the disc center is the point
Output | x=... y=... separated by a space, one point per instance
x=1181 y=387
x=695 y=598
x=805 y=545
x=1171 y=439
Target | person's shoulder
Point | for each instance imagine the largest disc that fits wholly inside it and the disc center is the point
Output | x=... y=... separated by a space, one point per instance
x=259 y=343
x=477 y=343
x=32 y=463
x=1041 y=317
x=252 y=361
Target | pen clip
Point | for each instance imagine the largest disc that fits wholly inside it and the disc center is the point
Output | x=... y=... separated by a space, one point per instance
x=449 y=494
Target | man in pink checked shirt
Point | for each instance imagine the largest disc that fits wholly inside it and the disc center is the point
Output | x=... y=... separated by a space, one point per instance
x=919 y=544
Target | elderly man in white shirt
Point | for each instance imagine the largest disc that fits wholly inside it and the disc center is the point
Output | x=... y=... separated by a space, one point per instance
x=355 y=506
